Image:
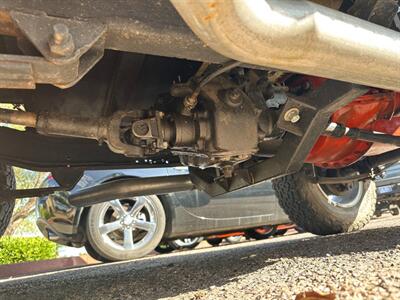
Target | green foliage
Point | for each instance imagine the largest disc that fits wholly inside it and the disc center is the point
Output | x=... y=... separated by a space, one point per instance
x=19 y=249
x=27 y=179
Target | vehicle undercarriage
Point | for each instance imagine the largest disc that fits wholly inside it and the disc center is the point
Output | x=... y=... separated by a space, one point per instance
x=238 y=91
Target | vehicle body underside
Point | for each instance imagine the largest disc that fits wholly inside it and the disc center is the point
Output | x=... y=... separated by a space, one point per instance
x=239 y=91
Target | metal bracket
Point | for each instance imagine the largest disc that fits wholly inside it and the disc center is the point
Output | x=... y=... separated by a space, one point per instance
x=315 y=111
x=60 y=69
x=67 y=177
x=39 y=29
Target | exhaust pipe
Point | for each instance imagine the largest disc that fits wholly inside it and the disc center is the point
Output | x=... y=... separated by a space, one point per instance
x=131 y=187
x=297 y=36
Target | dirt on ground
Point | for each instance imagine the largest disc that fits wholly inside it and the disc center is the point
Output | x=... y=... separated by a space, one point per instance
x=360 y=265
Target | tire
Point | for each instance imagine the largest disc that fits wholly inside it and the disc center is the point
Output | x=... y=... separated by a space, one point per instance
x=308 y=205
x=89 y=249
x=233 y=239
x=125 y=240
x=7 y=181
x=395 y=211
x=299 y=229
x=261 y=233
x=164 y=248
x=214 y=242
x=187 y=243
x=280 y=232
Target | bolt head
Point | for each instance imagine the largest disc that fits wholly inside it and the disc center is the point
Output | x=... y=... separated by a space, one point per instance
x=234 y=94
x=60 y=33
x=233 y=97
x=61 y=42
x=140 y=128
x=292 y=115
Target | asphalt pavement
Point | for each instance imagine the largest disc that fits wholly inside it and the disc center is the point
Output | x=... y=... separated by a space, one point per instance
x=360 y=265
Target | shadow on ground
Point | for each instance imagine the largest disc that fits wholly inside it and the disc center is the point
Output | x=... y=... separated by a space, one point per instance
x=168 y=276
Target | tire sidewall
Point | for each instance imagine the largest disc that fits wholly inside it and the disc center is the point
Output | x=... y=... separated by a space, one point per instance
x=342 y=214
x=253 y=233
x=176 y=246
x=214 y=242
x=307 y=206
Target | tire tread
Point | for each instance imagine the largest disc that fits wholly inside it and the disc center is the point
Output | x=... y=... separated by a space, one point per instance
x=304 y=212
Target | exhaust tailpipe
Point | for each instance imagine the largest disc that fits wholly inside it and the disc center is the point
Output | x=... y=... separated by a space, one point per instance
x=297 y=36
x=131 y=187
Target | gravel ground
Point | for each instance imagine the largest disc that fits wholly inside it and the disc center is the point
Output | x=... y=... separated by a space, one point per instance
x=361 y=265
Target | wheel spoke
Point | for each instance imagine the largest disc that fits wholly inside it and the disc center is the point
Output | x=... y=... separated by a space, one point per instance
x=110 y=227
x=144 y=225
x=128 y=239
x=118 y=208
x=137 y=207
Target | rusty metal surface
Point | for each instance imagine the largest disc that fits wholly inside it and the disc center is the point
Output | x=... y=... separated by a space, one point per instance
x=6 y=25
x=298 y=36
x=16 y=75
x=61 y=64
x=18 y=71
x=105 y=129
x=23 y=118
x=154 y=27
x=40 y=28
x=151 y=27
x=91 y=26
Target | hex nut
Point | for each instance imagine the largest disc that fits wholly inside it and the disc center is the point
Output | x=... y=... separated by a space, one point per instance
x=61 y=42
x=233 y=97
x=140 y=128
x=292 y=115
